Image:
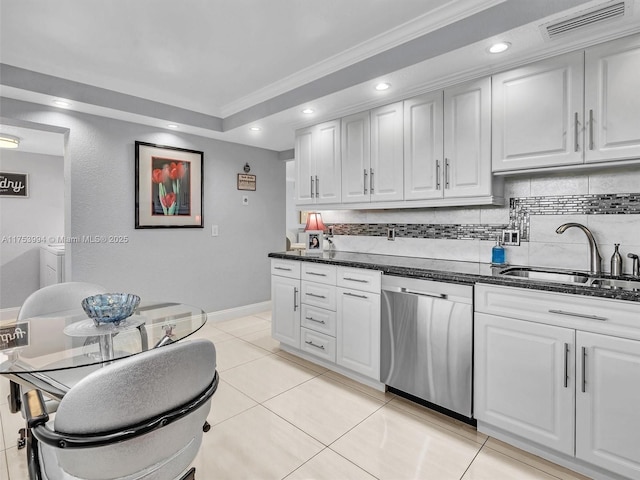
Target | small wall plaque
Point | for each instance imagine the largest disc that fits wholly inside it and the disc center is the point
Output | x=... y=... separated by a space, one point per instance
x=246 y=182
x=14 y=185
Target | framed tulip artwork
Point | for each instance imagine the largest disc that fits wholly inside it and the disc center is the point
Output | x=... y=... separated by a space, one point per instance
x=168 y=187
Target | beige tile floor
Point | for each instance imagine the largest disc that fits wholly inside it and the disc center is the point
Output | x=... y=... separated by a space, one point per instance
x=276 y=416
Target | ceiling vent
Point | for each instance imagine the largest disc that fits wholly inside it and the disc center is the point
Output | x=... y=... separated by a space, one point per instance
x=583 y=19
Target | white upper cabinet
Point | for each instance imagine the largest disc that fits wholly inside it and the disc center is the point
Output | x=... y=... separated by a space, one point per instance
x=356 y=157
x=573 y=109
x=467 y=139
x=318 y=164
x=386 y=170
x=305 y=167
x=612 y=100
x=537 y=114
x=423 y=147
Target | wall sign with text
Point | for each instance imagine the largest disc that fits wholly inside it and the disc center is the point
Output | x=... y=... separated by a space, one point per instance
x=14 y=184
x=14 y=336
x=246 y=182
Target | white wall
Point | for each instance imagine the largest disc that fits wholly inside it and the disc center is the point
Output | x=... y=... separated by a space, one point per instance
x=23 y=220
x=545 y=248
x=185 y=265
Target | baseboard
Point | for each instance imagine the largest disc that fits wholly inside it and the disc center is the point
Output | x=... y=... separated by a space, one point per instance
x=237 y=312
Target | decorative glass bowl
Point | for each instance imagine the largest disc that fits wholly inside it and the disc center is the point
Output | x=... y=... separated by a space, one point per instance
x=110 y=307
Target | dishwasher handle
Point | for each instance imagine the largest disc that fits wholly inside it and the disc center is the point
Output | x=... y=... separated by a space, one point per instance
x=423 y=294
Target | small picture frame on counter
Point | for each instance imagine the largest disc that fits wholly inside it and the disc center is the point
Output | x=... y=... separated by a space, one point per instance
x=314 y=241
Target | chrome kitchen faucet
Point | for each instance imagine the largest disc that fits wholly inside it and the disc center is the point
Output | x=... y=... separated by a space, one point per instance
x=595 y=258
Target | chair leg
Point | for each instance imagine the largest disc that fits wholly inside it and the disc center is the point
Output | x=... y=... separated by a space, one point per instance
x=22 y=438
x=15 y=404
x=190 y=475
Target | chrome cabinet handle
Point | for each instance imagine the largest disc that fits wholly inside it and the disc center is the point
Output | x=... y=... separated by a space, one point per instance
x=584 y=368
x=371 y=181
x=446 y=173
x=309 y=342
x=295 y=299
x=590 y=129
x=317 y=187
x=314 y=320
x=566 y=365
x=312 y=194
x=355 y=280
x=580 y=315
x=317 y=274
x=365 y=180
x=575 y=133
x=355 y=295
x=282 y=268
x=314 y=295
x=437 y=174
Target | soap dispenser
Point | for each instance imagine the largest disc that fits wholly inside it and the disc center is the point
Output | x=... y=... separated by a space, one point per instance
x=616 y=262
x=498 y=254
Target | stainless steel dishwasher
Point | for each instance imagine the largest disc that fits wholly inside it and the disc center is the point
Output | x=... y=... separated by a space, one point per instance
x=426 y=341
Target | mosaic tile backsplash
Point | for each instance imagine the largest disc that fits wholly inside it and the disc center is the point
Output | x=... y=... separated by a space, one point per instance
x=520 y=210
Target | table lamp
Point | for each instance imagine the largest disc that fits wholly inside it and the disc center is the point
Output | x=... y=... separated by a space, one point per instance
x=314 y=222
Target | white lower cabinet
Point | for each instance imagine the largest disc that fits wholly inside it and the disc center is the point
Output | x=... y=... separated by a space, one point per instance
x=521 y=382
x=550 y=371
x=318 y=317
x=608 y=403
x=285 y=314
x=358 y=331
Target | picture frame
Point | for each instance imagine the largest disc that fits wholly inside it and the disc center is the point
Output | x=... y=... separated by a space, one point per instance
x=315 y=240
x=169 y=187
x=246 y=182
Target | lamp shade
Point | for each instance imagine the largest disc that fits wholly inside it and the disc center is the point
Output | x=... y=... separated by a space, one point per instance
x=314 y=222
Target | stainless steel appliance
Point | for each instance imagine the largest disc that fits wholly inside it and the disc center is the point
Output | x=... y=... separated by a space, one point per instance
x=426 y=341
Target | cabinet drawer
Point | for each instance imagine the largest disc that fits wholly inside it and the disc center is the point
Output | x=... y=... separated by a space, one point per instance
x=359 y=279
x=319 y=320
x=318 y=344
x=319 y=295
x=573 y=311
x=316 y=272
x=285 y=268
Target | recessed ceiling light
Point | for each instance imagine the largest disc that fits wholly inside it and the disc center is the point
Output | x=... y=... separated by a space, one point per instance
x=499 y=47
x=382 y=86
x=255 y=129
x=9 y=141
x=61 y=103
x=172 y=125
x=307 y=110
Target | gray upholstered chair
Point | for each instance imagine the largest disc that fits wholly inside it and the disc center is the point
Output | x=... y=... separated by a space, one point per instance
x=141 y=418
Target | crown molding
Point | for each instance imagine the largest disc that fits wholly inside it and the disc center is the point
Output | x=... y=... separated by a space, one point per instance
x=445 y=14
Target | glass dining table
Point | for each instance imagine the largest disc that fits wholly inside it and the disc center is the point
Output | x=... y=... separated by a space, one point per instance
x=46 y=349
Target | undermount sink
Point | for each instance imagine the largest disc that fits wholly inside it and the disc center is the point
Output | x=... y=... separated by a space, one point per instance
x=546 y=275
x=570 y=277
x=631 y=285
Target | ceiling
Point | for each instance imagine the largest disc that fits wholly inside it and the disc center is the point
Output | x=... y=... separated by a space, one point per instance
x=218 y=67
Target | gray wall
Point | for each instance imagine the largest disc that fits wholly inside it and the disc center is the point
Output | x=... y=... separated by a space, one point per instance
x=42 y=213
x=186 y=265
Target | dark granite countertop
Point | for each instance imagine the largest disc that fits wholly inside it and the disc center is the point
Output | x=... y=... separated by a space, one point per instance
x=451 y=271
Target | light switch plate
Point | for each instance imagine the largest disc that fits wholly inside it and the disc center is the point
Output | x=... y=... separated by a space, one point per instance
x=391 y=233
